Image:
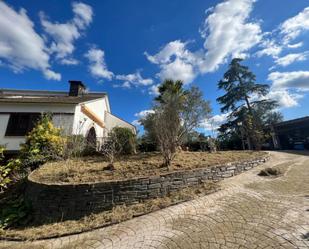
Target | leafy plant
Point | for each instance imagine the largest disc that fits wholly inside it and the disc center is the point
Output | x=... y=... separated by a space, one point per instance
x=42 y=144
x=9 y=172
x=126 y=140
x=15 y=212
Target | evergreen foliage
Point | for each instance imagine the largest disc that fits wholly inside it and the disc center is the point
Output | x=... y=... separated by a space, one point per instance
x=247 y=103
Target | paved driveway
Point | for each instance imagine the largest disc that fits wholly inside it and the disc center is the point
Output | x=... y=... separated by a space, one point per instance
x=249 y=212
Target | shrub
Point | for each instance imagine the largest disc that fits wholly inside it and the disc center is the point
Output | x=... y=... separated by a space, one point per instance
x=10 y=172
x=15 y=212
x=42 y=144
x=196 y=145
x=74 y=146
x=120 y=141
x=145 y=145
x=126 y=140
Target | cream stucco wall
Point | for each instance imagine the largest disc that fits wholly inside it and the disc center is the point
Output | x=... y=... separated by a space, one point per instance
x=82 y=123
x=113 y=121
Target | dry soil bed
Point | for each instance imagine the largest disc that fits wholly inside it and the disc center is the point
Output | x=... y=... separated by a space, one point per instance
x=92 y=169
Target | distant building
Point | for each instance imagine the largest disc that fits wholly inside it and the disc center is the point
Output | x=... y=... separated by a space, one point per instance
x=78 y=112
x=292 y=134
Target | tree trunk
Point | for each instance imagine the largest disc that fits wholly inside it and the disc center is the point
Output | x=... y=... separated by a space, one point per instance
x=256 y=139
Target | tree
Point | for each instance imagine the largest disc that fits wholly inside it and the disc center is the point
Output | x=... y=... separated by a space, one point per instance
x=195 y=110
x=148 y=141
x=273 y=118
x=240 y=86
x=176 y=113
x=172 y=87
x=167 y=122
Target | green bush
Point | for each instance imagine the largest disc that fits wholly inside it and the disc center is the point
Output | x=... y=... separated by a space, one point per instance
x=125 y=140
x=144 y=144
x=196 y=145
x=10 y=172
x=15 y=212
x=42 y=144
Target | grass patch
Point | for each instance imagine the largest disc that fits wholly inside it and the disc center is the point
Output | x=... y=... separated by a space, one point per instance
x=95 y=169
x=116 y=215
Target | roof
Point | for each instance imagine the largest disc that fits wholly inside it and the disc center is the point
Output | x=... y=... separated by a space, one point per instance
x=293 y=121
x=57 y=97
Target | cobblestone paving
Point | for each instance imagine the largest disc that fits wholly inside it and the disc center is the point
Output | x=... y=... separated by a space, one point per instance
x=249 y=212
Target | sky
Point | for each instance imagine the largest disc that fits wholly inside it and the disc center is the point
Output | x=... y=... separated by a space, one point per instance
x=127 y=47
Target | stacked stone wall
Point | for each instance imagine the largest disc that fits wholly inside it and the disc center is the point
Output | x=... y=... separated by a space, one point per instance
x=71 y=201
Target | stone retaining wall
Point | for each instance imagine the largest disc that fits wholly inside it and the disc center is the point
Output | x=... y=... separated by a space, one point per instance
x=68 y=201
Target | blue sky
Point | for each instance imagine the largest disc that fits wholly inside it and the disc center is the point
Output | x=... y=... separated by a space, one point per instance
x=126 y=48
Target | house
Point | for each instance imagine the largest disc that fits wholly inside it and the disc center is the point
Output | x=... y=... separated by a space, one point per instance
x=292 y=134
x=77 y=112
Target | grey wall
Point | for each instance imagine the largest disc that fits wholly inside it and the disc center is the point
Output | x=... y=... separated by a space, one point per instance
x=74 y=201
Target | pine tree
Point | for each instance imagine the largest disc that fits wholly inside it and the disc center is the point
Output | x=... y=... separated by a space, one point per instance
x=243 y=98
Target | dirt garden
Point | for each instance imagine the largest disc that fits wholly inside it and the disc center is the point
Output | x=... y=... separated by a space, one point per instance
x=95 y=169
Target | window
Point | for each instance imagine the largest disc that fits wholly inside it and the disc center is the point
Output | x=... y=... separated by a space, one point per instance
x=21 y=123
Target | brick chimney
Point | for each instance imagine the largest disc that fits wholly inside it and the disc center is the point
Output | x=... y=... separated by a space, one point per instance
x=77 y=88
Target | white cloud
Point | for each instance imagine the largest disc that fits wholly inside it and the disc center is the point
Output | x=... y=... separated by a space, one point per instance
x=178 y=70
x=269 y=48
x=286 y=33
x=140 y=115
x=214 y=122
x=83 y=14
x=64 y=35
x=134 y=79
x=176 y=62
x=298 y=80
x=228 y=32
x=51 y=75
x=172 y=49
x=284 y=98
x=294 y=26
x=97 y=65
x=136 y=122
x=154 y=90
x=295 y=45
x=143 y=113
x=290 y=58
x=20 y=46
x=69 y=61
